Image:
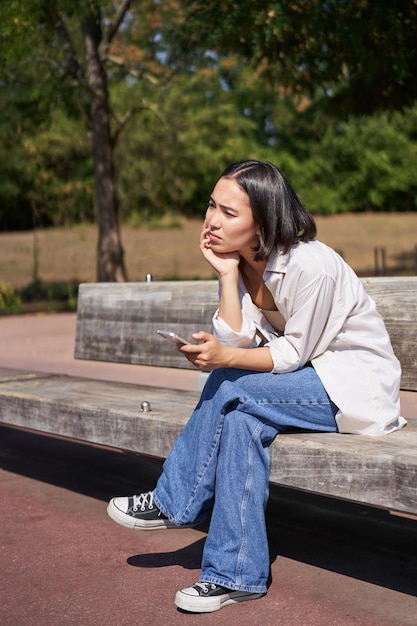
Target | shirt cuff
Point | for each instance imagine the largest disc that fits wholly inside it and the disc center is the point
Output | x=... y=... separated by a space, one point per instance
x=245 y=338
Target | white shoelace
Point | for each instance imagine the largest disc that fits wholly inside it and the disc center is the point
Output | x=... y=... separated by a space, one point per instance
x=205 y=587
x=144 y=501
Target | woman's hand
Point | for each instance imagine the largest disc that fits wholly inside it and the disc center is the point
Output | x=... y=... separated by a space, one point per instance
x=206 y=356
x=222 y=263
x=211 y=355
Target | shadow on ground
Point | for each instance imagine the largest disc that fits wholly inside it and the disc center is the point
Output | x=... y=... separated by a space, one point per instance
x=361 y=542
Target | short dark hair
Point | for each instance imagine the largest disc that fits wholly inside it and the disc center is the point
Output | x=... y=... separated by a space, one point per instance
x=280 y=215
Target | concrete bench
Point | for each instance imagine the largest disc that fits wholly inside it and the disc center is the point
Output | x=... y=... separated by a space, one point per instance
x=118 y=321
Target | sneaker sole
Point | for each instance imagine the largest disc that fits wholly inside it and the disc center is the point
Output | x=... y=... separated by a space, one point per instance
x=198 y=604
x=134 y=524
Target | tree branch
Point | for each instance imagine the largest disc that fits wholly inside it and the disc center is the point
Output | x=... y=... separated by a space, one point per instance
x=70 y=56
x=122 y=123
x=113 y=27
x=138 y=74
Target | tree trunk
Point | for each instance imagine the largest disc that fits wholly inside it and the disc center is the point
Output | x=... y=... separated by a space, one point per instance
x=110 y=257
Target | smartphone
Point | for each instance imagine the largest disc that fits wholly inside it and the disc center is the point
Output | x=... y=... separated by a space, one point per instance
x=179 y=341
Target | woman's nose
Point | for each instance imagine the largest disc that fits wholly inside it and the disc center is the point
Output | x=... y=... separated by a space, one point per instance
x=213 y=218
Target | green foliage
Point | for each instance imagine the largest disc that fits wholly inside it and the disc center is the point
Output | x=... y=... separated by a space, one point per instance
x=59 y=163
x=363 y=164
x=361 y=54
x=169 y=162
x=224 y=82
x=46 y=174
x=10 y=302
x=53 y=296
x=170 y=158
x=46 y=178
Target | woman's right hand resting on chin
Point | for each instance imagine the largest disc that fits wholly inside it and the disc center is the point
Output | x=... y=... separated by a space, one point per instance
x=222 y=263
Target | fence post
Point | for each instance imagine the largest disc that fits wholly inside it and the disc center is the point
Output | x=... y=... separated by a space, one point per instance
x=380 y=261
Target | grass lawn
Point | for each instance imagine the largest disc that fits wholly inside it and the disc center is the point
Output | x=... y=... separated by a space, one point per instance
x=66 y=254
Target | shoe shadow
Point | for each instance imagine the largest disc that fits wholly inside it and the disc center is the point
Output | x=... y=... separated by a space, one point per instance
x=188 y=557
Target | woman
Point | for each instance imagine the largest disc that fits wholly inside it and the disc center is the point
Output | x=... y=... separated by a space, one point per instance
x=323 y=362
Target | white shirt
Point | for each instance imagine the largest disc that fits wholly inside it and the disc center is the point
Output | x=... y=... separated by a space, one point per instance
x=331 y=322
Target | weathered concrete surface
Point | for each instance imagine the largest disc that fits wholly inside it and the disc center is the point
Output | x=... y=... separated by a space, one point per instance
x=45 y=343
x=118 y=321
x=380 y=470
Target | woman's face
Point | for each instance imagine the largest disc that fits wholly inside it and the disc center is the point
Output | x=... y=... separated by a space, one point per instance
x=229 y=219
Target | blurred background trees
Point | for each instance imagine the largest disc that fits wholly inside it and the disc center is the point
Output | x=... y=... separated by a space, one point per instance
x=123 y=111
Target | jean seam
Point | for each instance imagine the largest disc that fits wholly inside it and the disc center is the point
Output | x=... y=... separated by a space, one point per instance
x=293 y=403
x=203 y=470
x=216 y=580
x=248 y=486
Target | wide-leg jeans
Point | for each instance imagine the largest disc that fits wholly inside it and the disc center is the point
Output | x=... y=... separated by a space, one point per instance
x=219 y=465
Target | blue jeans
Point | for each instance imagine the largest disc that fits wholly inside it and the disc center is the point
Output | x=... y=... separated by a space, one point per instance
x=219 y=465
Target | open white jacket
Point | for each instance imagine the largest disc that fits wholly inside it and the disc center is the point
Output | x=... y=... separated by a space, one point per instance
x=331 y=322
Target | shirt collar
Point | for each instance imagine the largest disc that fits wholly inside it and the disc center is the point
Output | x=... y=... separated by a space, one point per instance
x=277 y=262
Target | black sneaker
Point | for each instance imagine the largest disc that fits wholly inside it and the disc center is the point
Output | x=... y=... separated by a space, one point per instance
x=138 y=512
x=208 y=597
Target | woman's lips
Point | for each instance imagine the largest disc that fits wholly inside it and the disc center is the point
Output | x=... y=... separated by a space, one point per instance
x=213 y=238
